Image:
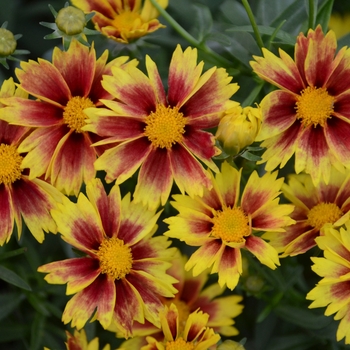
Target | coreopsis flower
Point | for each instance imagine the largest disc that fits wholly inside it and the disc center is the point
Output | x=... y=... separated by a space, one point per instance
x=193 y=335
x=238 y=128
x=20 y=196
x=222 y=223
x=79 y=341
x=162 y=134
x=123 y=20
x=123 y=272
x=58 y=148
x=316 y=206
x=340 y=24
x=332 y=291
x=309 y=115
x=191 y=297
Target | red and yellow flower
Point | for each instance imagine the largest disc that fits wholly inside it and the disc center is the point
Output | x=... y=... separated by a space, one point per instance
x=123 y=273
x=162 y=134
x=123 y=20
x=191 y=297
x=63 y=89
x=332 y=291
x=309 y=115
x=193 y=335
x=222 y=223
x=20 y=196
x=315 y=207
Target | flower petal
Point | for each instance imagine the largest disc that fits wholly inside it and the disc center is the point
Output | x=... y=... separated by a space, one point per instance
x=6 y=215
x=156 y=81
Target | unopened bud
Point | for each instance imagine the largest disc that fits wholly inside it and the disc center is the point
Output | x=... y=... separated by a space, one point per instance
x=230 y=345
x=8 y=43
x=70 y=20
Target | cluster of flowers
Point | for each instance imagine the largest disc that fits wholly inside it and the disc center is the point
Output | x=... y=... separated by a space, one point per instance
x=85 y=115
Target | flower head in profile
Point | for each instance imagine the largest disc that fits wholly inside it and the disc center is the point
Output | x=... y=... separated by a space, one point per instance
x=123 y=273
x=123 y=20
x=309 y=115
x=58 y=148
x=223 y=222
x=332 y=291
x=192 y=296
x=193 y=335
x=162 y=133
x=21 y=197
x=315 y=207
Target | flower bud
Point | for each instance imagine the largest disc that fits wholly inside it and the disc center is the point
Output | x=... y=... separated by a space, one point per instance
x=238 y=128
x=8 y=43
x=230 y=345
x=70 y=20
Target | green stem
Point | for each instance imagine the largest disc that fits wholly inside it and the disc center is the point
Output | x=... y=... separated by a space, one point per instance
x=253 y=23
x=189 y=38
x=312 y=14
x=13 y=253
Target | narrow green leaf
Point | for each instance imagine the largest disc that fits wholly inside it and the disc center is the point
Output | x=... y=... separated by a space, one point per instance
x=324 y=14
x=13 y=253
x=37 y=331
x=250 y=156
x=203 y=22
x=38 y=304
x=12 y=278
x=8 y=303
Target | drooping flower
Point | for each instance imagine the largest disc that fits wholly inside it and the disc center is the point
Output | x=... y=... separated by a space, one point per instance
x=62 y=90
x=309 y=116
x=123 y=20
x=79 y=341
x=315 y=207
x=193 y=335
x=20 y=196
x=123 y=273
x=191 y=297
x=222 y=223
x=162 y=134
x=332 y=291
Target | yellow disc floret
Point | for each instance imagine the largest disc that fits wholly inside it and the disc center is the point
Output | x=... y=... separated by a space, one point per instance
x=324 y=213
x=10 y=164
x=179 y=344
x=127 y=21
x=314 y=106
x=231 y=225
x=165 y=126
x=115 y=258
x=73 y=114
x=8 y=43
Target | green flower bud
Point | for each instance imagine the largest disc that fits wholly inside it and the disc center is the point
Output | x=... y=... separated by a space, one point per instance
x=8 y=43
x=70 y=20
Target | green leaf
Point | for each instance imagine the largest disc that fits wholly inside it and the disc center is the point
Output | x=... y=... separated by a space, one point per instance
x=38 y=304
x=12 y=278
x=291 y=342
x=8 y=303
x=203 y=22
x=250 y=156
x=37 y=331
x=9 y=332
x=324 y=14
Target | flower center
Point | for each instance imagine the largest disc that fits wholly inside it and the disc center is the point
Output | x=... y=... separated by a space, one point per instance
x=165 y=126
x=10 y=164
x=179 y=344
x=73 y=114
x=127 y=21
x=324 y=213
x=231 y=225
x=314 y=106
x=115 y=258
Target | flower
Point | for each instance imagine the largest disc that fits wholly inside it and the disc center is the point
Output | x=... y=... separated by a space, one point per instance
x=309 y=116
x=238 y=128
x=230 y=345
x=122 y=274
x=162 y=134
x=20 y=196
x=221 y=223
x=333 y=289
x=340 y=24
x=315 y=207
x=191 y=297
x=79 y=341
x=195 y=335
x=62 y=90
x=123 y=20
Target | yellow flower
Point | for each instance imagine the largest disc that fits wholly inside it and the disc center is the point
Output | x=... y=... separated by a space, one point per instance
x=238 y=128
x=340 y=24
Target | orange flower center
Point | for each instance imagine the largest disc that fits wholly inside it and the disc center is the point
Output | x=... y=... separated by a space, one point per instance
x=165 y=126
x=73 y=114
x=231 y=225
x=324 y=213
x=179 y=344
x=314 y=106
x=127 y=21
x=10 y=164
x=115 y=258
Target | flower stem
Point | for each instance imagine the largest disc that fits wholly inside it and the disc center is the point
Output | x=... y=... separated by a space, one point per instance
x=253 y=23
x=312 y=14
